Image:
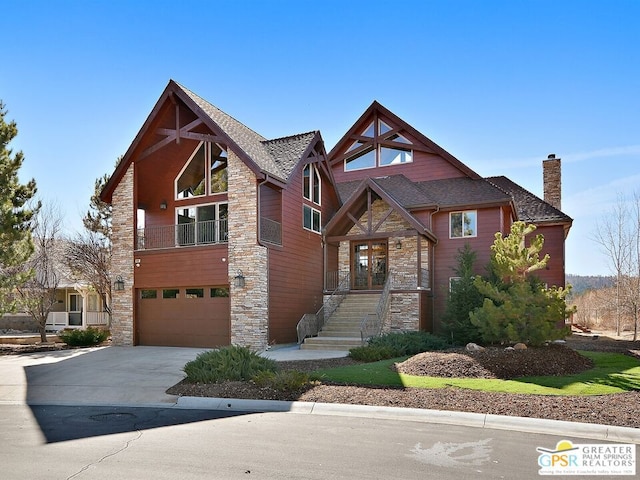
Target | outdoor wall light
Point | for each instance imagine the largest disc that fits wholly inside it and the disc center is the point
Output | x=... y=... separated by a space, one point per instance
x=163 y=205
x=398 y=245
x=238 y=280
x=118 y=285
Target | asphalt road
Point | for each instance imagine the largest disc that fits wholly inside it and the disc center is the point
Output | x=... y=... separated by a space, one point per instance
x=85 y=442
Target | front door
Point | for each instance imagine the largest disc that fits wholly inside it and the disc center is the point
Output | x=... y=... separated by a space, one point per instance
x=75 y=309
x=368 y=264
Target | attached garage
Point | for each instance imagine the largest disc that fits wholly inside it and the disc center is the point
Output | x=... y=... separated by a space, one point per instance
x=183 y=317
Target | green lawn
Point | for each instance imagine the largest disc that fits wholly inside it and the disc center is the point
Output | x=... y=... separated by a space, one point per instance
x=612 y=373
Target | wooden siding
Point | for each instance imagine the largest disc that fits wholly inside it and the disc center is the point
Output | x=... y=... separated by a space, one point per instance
x=446 y=251
x=182 y=267
x=270 y=203
x=554 y=246
x=296 y=271
x=425 y=166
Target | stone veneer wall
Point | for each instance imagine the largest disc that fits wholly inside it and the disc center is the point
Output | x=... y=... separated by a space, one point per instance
x=250 y=304
x=122 y=260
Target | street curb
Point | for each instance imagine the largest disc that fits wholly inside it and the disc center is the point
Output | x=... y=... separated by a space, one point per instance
x=478 y=420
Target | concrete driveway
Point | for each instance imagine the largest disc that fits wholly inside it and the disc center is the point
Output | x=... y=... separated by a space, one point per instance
x=94 y=376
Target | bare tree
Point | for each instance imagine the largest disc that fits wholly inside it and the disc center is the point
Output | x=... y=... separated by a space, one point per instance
x=38 y=295
x=613 y=236
x=88 y=257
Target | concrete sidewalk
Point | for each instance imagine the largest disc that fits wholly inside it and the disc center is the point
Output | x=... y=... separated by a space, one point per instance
x=139 y=376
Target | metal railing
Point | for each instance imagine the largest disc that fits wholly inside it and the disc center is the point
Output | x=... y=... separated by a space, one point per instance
x=184 y=234
x=311 y=323
x=270 y=231
x=371 y=324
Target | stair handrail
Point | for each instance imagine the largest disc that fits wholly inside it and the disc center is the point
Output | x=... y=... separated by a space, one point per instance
x=371 y=324
x=311 y=323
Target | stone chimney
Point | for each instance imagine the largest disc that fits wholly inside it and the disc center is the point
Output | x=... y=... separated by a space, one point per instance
x=552 y=182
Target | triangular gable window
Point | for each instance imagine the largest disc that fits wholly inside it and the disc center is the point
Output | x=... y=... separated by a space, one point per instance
x=369 y=131
x=378 y=155
x=205 y=173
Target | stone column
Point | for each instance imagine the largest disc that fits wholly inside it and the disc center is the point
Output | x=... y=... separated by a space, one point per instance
x=249 y=304
x=122 y=260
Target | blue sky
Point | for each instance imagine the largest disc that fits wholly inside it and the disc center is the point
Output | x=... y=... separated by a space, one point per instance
x=499 y=84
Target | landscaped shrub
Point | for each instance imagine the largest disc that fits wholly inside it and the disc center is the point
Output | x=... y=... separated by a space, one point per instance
x=393 y=345
x=286 y=381
x=227 y=363
x=77 y=337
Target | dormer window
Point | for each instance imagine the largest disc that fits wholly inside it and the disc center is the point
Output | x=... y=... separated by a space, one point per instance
x=205 y=173
x=378 y=147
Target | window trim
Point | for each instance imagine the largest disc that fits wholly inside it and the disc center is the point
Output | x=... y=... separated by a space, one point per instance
x=314 y=174
x=313 y=210
x=207 y=171
x=475 y=227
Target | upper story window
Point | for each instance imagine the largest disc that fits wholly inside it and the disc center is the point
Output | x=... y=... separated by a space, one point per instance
x=202 y=224
x=205 y=173
x=311 y=218
x=311 y=183
x=463 y=224
x=378 y=147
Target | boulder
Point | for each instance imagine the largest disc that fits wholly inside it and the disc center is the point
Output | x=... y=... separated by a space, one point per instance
x=519 y=346
x=473 y=347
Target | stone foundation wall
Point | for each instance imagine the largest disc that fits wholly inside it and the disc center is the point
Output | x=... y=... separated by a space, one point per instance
x=122 y=260
x=249 y=304
x=403 y=313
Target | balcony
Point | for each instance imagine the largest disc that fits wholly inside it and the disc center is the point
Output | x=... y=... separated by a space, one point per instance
x=182 y=235
x=200 y=233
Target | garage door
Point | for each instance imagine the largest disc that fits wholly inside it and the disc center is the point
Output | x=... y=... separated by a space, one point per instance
x=183 y=317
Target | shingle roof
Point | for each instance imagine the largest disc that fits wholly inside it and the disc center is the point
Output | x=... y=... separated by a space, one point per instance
x=403 y=190
x=529 y=207
x=449 y=192
x=461 y=191
x=278 y=157
x=287 y=151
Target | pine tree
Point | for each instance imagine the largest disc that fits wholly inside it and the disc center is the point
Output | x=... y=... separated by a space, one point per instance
x=16 y=245
x=463 y=298
x=517 y=307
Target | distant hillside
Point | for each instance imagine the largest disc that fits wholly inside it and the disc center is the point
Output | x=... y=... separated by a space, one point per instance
x=581 y=283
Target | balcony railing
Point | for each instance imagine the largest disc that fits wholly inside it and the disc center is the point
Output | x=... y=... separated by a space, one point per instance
x=184 y=234
x=200 y=233
x=270 y=231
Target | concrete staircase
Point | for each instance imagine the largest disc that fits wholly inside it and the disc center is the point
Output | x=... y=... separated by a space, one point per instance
x=342 y=329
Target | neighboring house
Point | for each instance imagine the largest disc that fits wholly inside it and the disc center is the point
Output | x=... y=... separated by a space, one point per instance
x=222 y=236
x=76 y=304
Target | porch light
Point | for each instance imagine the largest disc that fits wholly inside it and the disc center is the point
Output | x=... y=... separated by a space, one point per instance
x=398 y=245
x=238 y=280
x=163 y=205
x=118 y=285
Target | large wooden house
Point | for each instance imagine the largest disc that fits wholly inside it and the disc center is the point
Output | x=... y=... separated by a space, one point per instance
x=224 y=237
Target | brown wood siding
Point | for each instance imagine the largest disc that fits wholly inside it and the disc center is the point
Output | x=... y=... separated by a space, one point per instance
x=183 y=322
x=446 y=251
x=554 y=274
x=425 y=166
x=296 y=270
x=182 y=267
x=270 y=203
x=426 y=311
